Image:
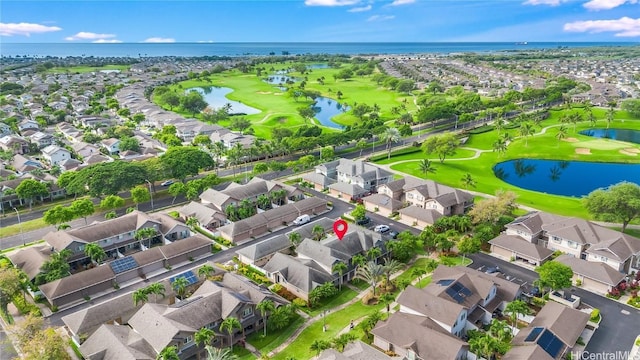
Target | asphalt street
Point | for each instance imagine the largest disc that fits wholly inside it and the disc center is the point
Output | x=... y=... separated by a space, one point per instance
x=620 y=322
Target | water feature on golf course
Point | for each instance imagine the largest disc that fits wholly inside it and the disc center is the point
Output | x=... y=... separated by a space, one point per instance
x=569 y=178
x=215 y=97
x=327 y=108
x=632 y=136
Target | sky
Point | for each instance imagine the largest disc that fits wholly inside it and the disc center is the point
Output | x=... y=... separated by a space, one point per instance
x=133 y=21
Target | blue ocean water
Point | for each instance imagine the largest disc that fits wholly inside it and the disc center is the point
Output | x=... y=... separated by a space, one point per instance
x=239 y=49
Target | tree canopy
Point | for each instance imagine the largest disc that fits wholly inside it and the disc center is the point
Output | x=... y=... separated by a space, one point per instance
x=618 y=203
x=108 y=178
x=441 y=145
x=554 y=275
x=185 y=161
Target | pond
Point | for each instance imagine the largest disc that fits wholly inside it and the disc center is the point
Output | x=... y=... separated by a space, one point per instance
x=632 y=136
x=318 y=66
x=568 y=178
x=216 y=98
x=280 y=79
x=326 y=109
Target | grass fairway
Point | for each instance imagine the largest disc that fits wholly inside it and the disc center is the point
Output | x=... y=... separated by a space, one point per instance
x=86 y=69
x=280 y=110
x=543 y=145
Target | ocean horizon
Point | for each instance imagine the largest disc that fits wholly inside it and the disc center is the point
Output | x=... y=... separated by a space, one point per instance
x=135 y=50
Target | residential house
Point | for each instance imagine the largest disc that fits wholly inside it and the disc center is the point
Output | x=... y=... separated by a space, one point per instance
x=459 y=298
x=92 y=121
x=356 y=350
x=155 y=326
x=443 y=199
x=417 y=337
x=28 y=124
x=595 y=276
x=117 y=236
x=261 y=223
x=555 y=329
x=319 y=181
x=234 y=194
x=24 y=165
x=188 y=129
x=357 y=172
x=381 y=204
x=42 y=139
x=313 y=265
x=55 y=154
x=347 y=192
x=229 y=139
x=85 y=150
x=5 y=130
x=9 y=198
x=15 y=144
x=207 y=216
x=111 y=145
x=575 y=237
x=257 y=255
x=70 y=132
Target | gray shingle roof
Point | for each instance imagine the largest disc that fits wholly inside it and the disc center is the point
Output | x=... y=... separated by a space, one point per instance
x=266 y=247
x=383 y=201
x=521 y=246
x=427 y=215
x=429 y=305
x=303 y=275
x=594 y=270
x=566 y=323
x=117 y=342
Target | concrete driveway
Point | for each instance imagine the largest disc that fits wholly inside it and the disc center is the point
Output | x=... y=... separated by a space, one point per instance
x=620 y=323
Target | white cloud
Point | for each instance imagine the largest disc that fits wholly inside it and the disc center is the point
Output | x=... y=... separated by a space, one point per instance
x=107 y=41
x=159 y=40
x=606 y=4
x=380 y=17
x=25 y=29
x=360 y=9
x=623 y=27
x=544 y=2
x=402 y=2
x=83 y=35
x=330 y=2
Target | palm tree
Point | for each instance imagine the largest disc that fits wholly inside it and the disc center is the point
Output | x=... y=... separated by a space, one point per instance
x=319 y=345
x=431 y=265
x=295 y=238
x=426 y=166
x=500 y=146
x=317 y=232
x=340 y=268
x=214 y=353
x=95 y=252
x=358 y=260
x=515 y=308
x=206 y=270
x=499 y=329
x=265 y=306
x=156 y=289
x=562 y=133
x=192 y=222
x=391 y=135
x=168 y=353
x=499 y=123
x=526 y=130
x=374 y=253
x=468 y=181
x=370 y=272
x=144 y=234
x=391 y=266
x=484 y=345
x=387 y=299
x=610 y=114
x=140 y=295
x=203 y=337
x=179 y=285
x=229 y=325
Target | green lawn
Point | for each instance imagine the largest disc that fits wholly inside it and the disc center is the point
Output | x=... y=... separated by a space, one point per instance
x=327 y=304
x=278 y=109
x=242 y=353
x=274 y=338
x=26 y=226
x=460 y=154
x=335 y=323
x=423 y=282
x=540 y=146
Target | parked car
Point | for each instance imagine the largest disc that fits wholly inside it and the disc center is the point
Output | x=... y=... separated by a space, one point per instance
x=492 y=270
x=393 y=234
x=364 y=221
x=302 y=219
x=381 y=228
x=167 y=183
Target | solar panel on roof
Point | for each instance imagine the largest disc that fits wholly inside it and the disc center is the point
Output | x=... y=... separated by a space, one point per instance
x=550 y=343
x=189 y=275
x=534 y=334
x=123 y=264
x=465 y=291
x=446 y=282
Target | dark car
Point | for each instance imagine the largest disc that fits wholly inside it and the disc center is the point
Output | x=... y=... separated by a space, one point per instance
x=492 y=270
x=393 y=234
x=364 y=221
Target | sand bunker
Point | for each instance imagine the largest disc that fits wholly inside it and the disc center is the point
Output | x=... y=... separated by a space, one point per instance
x=264 y=92
x=583 y=151
x=632 y=150
x=277 y=93
x=570 y=140
x=626 y=152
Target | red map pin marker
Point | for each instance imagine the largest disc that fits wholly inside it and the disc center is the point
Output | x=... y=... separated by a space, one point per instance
x=340 y=228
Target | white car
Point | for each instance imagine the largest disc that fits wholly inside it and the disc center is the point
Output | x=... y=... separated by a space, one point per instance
x=381 y=228
x=167 y=183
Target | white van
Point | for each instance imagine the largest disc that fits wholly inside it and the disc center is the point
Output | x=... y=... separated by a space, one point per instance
x=302 y=219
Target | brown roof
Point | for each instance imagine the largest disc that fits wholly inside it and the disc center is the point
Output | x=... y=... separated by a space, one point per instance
x=427 y=215
x=117 y=342
x=30 y=260
x=526 y=352
x=507 y=290
x=521 y=246
x=180 y=247
x=430 y=305
x=383 y=201
x=77 y=282
x=597 y=271
x=148 y=256
x=424 y=336
x=564 y=322
x=356 y=350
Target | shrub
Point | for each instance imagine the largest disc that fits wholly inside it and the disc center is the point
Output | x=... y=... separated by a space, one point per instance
x=24 y=306
x=614 y=294
x=286 y=294
x=635 y=302
x=537 y=301
x=595 y=314
x=578 y=282
x=299 y=303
